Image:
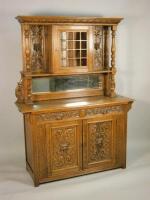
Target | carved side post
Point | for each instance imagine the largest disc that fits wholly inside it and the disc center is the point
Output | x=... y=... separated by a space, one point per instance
x=106 y=47
x=113 y=68
x=19 y=92
x=23 y=90
x=27 y=90
x=106 y=60
x=26 y=48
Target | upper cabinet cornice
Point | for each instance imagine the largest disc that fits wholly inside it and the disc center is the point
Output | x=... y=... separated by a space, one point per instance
x=69 y=19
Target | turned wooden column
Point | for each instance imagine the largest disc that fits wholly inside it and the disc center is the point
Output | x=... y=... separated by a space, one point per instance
x=106 y=47
x=113 y=68
x=107 y=60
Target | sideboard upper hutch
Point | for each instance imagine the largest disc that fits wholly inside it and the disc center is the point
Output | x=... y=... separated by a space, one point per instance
x=74 y=122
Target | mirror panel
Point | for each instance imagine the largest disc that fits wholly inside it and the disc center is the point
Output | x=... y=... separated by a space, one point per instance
x=64 y=83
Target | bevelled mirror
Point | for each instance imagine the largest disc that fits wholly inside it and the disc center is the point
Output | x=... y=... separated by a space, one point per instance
x=65 y=83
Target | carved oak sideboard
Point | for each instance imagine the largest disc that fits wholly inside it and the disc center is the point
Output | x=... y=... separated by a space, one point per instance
x=74 y=122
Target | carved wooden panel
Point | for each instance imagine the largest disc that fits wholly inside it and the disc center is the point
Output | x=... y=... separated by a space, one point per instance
x=34 y=47
x=26 y=48
x=99 y=139
x=64 y=147
x=103 y=110
x=19 y=92
x=51 y=116
x=98 y=48
x=37 y=48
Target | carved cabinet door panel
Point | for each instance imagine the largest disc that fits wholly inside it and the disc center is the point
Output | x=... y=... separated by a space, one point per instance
x=99 y=146
x=64 y=152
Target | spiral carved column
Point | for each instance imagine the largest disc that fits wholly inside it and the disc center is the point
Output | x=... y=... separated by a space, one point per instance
x=113 y=68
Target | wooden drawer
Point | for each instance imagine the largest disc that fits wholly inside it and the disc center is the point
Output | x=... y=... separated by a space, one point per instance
x=78 y=113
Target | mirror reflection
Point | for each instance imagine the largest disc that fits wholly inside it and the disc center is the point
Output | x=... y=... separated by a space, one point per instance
x=62 y=83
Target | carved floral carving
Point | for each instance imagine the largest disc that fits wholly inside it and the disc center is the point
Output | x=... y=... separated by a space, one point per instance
x=98 y=47
x=64 y=147
x=37 y=54
x=58 y=115
x=50 y=116
x=27 y=65
x=103 y=110
x=28 y=91
x=100 y=142
x=19 y=92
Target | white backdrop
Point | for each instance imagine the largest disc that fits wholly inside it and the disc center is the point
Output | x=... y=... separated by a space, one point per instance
x=133 y=64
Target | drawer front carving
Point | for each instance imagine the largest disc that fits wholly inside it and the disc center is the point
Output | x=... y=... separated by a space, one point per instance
x=58 y=115
x=52 y=116
x=103 y=110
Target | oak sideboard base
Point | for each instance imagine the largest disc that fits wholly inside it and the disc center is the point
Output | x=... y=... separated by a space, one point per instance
x=63 y=142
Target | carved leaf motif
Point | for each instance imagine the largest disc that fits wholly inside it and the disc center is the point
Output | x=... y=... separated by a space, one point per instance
x=98 y=47
x=19 y=92
x=64 y=147
x=100 y=143
x=59 y=115
x=103 y=110
x=27 y=59
x=37 y=39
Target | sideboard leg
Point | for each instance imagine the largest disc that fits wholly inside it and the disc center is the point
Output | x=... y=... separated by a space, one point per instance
x=36 y=182
x=124 y=165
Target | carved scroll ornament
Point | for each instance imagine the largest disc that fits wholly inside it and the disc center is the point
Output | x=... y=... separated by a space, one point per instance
x=37 y=54
x=103 y=110
x=98 y=47
x=58 y=115
x=64 y=147
x=19 y=92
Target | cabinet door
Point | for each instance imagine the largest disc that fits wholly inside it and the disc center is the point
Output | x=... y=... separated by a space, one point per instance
x=64 y=149
x=72 y=46
x=99 y=142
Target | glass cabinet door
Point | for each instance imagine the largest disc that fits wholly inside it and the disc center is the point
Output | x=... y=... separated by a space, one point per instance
x=72 y=49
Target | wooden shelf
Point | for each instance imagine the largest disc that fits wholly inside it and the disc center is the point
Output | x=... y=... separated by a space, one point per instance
x=63 y=74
